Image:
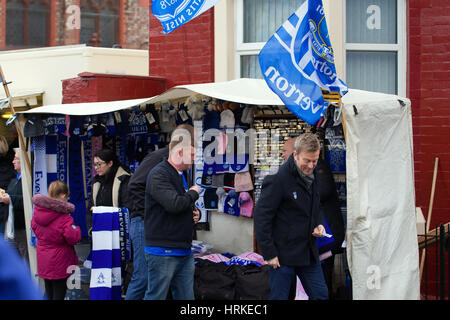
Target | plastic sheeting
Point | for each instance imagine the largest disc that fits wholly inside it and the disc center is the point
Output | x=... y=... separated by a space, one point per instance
x=382 y=249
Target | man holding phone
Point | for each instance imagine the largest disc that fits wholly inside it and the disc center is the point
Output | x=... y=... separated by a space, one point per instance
x=288 y=219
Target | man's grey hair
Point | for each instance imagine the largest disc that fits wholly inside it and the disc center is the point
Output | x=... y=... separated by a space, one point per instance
x=306 y=142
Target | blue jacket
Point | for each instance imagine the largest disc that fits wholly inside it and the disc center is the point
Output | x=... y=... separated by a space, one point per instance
x=15 y=278
x=168 y=220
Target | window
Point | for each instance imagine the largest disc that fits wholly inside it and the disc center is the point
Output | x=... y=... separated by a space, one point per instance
x=27 y=23
x=375 y=48
x=99 y=22
x=257 y=21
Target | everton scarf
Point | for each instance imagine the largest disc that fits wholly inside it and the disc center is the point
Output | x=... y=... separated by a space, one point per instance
x=76 y=184
x=106 y=279
x=44 y=169
x=109 y=227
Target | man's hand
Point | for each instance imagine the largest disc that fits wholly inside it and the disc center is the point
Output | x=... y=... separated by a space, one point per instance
x=195 y=188
x=274 y=263
x=5 y=198
x=319 y=231
x=196 y=214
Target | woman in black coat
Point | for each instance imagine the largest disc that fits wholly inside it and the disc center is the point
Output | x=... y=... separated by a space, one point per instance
x=7 y=173
x=13 y=198
x=110 y=185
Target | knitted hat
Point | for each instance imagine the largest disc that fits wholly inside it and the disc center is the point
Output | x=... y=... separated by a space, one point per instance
x=231 y=206
x=195 y=107
x=182 y=115
x=245 y=204
x=243 y=181
x=211 y=120
x=217 y=180
x=222 y=195
x=240 y=163
x=247 y=115
x=228 y=181
x=206 y=180
x=152 y=118
x=34 y=127
x=227 y=119
x=167 y=117
x=210 y=199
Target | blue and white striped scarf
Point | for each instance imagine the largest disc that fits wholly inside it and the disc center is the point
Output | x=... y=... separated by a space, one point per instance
x=110 y=242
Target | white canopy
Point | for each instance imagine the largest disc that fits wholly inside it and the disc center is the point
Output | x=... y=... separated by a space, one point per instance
x=246 y=91
x=88 y=108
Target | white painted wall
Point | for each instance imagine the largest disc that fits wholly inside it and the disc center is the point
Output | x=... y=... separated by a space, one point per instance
x=43 y=69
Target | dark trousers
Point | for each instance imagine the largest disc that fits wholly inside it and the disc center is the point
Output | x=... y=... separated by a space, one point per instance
x=55 y=289
x=311 y=277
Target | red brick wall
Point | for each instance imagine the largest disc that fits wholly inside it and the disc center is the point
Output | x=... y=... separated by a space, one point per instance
x=429 y=91
x=2 y=23
x=186 y=55
x=94 y=87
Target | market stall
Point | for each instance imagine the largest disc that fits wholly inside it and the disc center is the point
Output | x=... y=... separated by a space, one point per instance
x=370 y=157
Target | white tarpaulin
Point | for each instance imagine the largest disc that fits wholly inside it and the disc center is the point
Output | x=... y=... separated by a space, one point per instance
x=382 y=249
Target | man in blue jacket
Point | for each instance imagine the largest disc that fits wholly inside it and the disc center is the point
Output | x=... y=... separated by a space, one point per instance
x=288 y=219
x=170 y=215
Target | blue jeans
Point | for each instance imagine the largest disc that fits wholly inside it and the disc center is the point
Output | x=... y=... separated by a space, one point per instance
x=176 y=273
x=138 y=284
x=311 y=277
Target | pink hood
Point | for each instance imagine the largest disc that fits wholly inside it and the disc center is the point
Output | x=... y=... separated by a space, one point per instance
x=50 y=209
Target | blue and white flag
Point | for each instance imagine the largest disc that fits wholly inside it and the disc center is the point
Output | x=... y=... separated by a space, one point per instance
x=106 y=276
x=174 y=13
x=298 y=61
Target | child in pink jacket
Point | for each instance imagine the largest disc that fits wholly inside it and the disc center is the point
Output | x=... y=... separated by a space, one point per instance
x=57 y=235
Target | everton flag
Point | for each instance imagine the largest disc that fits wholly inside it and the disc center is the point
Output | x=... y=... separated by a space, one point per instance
x=298 y=61
x=174 y=13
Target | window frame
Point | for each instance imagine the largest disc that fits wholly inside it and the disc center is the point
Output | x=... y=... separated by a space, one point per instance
x=400 y=47
x=242 y=48
x=26 y=26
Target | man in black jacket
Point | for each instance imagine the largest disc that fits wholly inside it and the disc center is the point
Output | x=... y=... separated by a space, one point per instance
x=136 y=188
x=169 y=220
x=288 y=219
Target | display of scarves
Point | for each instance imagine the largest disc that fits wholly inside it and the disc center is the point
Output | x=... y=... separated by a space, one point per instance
x=110 y=250
x=76 y=184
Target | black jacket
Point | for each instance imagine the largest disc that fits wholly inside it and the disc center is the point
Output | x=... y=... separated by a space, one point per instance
x=285 y=216
x=136 y=185
x=102 y=188
x=168 y=220
x=7 y=173
x=109 y=190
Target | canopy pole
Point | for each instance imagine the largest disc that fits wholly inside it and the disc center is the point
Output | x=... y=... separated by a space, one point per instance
x=430 y=209
x=16 y=121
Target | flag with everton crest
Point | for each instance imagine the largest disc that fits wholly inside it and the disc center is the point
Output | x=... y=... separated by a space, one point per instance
x=298 y=61
x=174 y=13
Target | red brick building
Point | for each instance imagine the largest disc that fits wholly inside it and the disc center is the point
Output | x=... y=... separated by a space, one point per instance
x=187 y=56
x=43 y=23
